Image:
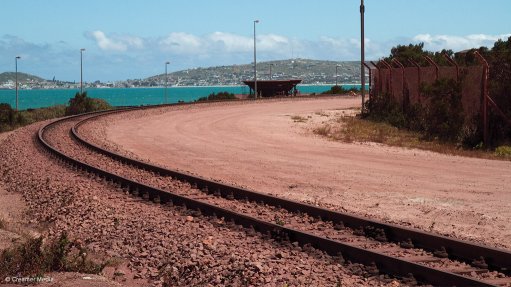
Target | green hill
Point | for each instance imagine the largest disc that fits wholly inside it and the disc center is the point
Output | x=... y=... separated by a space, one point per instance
x=310 y=71
x=22 y=77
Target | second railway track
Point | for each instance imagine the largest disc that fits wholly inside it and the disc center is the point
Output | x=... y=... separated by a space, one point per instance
x=383 y=248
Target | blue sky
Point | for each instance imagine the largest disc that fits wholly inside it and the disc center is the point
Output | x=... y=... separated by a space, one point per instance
x=134 y=38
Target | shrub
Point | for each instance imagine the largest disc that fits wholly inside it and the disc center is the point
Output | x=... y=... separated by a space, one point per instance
x=82 y=104
x=35 y=258
x=444 y=117
x=11 y=119
x=221 y=96
x=339 y=90
x=383 y=108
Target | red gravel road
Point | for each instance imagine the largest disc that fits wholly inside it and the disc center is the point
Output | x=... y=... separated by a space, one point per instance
x=269 y=147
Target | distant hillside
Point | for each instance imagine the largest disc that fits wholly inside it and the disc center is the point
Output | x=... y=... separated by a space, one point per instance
x=22 y=78
x=310 y=71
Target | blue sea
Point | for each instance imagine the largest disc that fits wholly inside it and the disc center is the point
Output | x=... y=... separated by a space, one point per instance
x=31 y=99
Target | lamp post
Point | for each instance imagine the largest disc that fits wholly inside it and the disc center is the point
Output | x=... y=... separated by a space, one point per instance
x=255 y=61
x=81 y=70
x=336 y=74
x=271 y=65
x=16 y=64
x=166 y=81
x=362 y=53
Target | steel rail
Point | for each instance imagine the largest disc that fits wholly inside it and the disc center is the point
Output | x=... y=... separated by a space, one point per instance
x=384 y=263
x=497 y=259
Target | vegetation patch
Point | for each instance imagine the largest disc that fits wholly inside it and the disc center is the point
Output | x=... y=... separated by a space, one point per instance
x=503 y=151
x=81 y=103
x=323 y=130
x=34 y=257
x=11 y=119
x=221 y=96
x=442 y=116
x=357 y=129
x=299 y=119
x=339 y=90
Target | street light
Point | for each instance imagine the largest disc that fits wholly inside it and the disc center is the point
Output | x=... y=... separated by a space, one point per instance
x=166 y=81
x=362 y=53
x=81 y=70
x=255 y=61
x=336 y=74
x=271 y=65
x=16 y=63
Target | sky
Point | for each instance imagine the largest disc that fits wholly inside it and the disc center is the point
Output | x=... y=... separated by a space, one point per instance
x=132 y=39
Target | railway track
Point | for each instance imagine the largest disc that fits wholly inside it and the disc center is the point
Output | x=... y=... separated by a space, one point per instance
x=409 y=254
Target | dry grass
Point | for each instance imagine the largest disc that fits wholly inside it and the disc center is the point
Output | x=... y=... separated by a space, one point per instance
x=352 y=129
x=299 y=119
x=323 y=130
x=322 y=113
x=32 y=257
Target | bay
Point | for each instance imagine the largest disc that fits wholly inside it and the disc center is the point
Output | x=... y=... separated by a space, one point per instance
x=31 y=99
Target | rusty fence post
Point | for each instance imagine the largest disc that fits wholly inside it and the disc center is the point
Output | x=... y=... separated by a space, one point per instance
x=452 y=62
x=403 y=78
x=486 y=73
x=379 y=76
x=370 y=77
x=433 y=64
x=390 y=75
x=418 y=78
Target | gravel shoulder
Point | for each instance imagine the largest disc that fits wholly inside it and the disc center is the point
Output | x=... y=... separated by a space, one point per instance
x=264 y=147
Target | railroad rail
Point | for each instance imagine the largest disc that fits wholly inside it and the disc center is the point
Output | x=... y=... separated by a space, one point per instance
x=480 y=258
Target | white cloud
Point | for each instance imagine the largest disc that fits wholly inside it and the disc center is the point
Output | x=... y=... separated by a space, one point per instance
x=272 y=42
x=231 y=42
x=106 y=43
x=457 y=43
x=182 y=43
x=115 y=43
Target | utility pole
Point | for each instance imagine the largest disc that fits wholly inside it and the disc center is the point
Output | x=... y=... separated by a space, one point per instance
x=16 y=61
x=166 y=81
x=362 y=53
x=336 y=74
x=255 y=61
x=81 y=70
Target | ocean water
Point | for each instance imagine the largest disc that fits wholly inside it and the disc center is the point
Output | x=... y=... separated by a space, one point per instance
x=31 y=99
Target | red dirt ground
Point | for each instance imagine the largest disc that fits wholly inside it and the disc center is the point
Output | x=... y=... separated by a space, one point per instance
x=260 y=146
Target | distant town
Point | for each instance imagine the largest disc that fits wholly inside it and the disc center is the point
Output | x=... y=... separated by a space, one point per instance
x=312 y=72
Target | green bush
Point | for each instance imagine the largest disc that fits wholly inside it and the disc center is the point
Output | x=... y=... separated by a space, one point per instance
x=444 y=117
x=339 y=90
x=383 y=108
x=221 y=96
x=82 y=104
x=11 y=119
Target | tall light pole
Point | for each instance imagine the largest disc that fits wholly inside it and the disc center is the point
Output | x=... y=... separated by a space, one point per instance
x=16 y=64
x=362 y=53
x=336 y=74
x=81 y=70
x=255 y=61
x=166 y=80
x=271 y=65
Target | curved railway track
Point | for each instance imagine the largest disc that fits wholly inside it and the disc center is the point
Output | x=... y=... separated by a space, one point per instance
x=409 y=254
